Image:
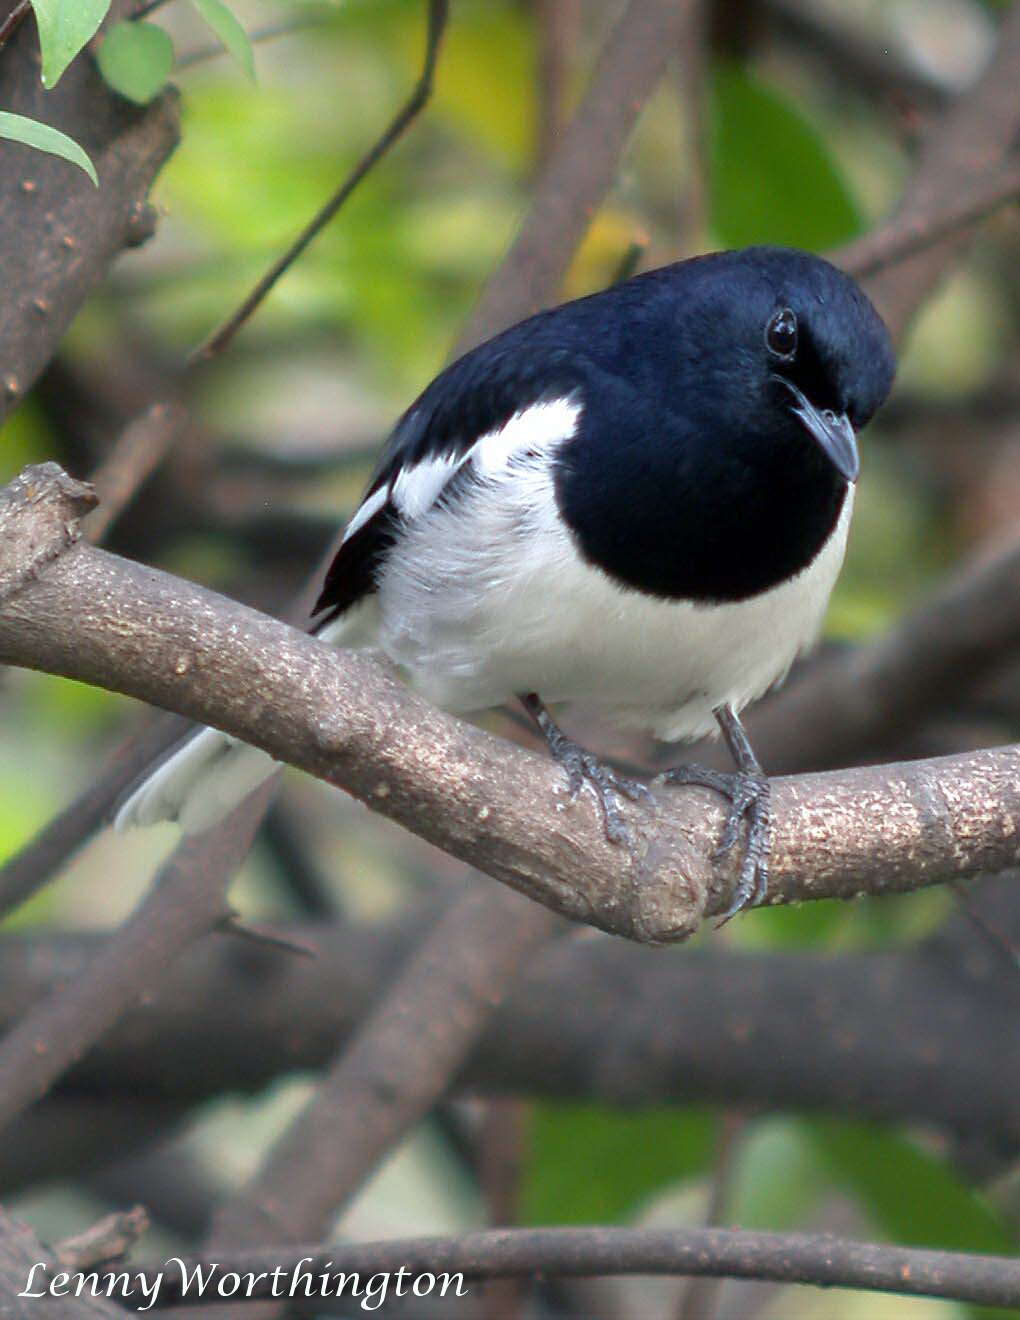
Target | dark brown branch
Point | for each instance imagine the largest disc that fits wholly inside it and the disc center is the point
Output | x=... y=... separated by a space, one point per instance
x=218 y=340
x=74 y=230
x=76 y=1135
x=13 y=21
x=851 y=1033
x=820 y=1260
x=582 y=166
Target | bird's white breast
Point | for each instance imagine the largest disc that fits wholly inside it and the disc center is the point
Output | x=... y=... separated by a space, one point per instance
x=485 y=596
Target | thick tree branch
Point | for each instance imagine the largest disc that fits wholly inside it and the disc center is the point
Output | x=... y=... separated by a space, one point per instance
x=589 y=1020
x=716 y=1252
x=75 y=230
x=95 y=617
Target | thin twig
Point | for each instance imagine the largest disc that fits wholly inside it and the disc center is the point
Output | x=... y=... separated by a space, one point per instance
x=60 y=838
x=13 y=20
x=701 y=1296
x=997 y=939
x=139 y=449
x=232 y=924
x=902 y=237
x=218 y=340
x=106 y=1240
x=815 y=1259
x=270 y=32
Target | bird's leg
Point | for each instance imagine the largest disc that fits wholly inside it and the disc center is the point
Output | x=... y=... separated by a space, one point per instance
x=748 y=794
x=583 y=768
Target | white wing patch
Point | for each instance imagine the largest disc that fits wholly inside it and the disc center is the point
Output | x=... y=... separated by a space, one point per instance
x=540 y=427
x=367 y=510
x=415 y=489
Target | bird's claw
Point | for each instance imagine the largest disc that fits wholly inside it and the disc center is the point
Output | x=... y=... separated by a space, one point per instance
x=582 y=768
x=749 y=796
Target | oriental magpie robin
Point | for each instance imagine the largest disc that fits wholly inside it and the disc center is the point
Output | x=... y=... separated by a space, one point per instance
x=638 y=500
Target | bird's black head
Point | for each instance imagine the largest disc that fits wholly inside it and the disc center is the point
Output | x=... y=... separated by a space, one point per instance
x=719 y=440
x=800 y=351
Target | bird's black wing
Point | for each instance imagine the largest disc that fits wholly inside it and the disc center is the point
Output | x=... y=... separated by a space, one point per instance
x=475 y=396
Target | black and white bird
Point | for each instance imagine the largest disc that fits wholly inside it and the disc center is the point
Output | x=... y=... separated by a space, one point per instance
x=638 y=501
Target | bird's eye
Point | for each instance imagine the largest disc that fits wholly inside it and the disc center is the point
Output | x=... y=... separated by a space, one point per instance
x=781 y=334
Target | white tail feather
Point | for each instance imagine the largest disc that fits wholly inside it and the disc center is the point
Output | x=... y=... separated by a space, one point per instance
x=198 y=785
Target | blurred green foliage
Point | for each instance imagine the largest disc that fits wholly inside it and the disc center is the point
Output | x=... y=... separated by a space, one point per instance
x=587 y=1164
x=772 y=179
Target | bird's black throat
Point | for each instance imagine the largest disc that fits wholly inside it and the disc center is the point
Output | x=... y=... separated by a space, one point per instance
x=713 y=521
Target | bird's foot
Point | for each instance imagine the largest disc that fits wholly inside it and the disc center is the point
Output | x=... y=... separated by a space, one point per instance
x=749 y=796
x=582 y=768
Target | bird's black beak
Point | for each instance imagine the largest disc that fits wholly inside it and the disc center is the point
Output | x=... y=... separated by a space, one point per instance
x=832 y=431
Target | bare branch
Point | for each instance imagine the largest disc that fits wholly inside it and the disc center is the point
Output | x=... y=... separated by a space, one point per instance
x=140 y=448
x=572 y=1252
x=591 y=1019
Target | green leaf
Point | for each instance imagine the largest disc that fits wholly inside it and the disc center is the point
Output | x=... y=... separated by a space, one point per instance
x=44 y=138
x=909 y=1194
x=229 y=31
x=778 y=1176
x=136 y=59
x=772 y=178
x=64 y=28
x=592 y=1165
